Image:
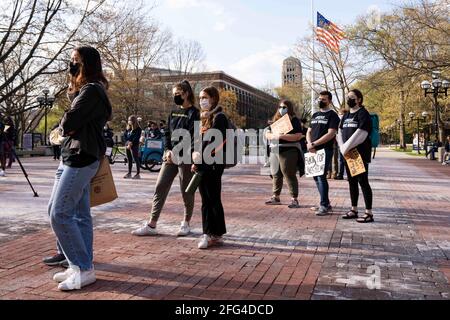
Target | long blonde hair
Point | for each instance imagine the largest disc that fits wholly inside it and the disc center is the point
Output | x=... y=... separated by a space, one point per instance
x=134 y=122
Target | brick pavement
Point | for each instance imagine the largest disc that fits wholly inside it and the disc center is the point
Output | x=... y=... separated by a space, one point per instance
x=270 y=252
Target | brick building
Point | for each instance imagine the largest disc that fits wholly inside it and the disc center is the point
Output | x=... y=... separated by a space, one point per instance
x=253 y=103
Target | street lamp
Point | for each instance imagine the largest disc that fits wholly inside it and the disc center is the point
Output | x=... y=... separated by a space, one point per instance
x=436 y=87
x=424 y=116
x=46 y=102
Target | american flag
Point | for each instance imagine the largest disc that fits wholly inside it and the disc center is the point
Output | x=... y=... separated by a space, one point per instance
x=328 y=33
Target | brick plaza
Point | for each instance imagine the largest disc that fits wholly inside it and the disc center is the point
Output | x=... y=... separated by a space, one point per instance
x=270 y=252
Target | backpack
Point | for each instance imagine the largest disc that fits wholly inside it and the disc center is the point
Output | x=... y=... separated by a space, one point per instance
x=375 y=133
x=237 y=156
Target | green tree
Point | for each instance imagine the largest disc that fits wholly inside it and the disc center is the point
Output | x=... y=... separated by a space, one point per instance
x=228 y=101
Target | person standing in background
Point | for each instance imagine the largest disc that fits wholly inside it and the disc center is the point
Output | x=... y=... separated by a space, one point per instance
x=132 y=142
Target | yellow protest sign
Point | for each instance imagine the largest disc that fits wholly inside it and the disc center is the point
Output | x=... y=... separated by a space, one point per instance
x=355 y=163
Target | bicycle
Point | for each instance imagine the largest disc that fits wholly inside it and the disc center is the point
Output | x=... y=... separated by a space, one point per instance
x=117 y=155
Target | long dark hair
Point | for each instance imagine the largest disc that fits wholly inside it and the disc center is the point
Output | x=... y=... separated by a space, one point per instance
x=90 y=69
x=185 y=86
x=290 y=107
x=358 y=94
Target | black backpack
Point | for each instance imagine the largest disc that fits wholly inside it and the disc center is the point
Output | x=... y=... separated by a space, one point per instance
x=237 y=156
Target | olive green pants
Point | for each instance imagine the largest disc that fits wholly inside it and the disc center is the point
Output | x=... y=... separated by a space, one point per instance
x=284 y=165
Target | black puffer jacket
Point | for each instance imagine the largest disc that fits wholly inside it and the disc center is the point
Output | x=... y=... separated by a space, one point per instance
x=83 y=125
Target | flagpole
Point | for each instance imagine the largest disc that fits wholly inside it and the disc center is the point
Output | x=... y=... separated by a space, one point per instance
x=313 y=59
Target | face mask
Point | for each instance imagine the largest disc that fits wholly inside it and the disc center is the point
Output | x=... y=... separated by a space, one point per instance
x=351 y=103
x=283 y=111
x=178 y=100
x=322 y=105
x=204 y=104
x=74 y=68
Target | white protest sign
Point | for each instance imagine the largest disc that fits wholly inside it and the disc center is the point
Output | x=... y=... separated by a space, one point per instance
x=315 y=164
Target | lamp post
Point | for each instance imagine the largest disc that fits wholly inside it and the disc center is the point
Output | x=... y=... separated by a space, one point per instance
x=46 y=102
x=435 y=88
x=412 y=116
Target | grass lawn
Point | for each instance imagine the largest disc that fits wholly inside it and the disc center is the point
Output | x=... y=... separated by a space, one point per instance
x=410 y=151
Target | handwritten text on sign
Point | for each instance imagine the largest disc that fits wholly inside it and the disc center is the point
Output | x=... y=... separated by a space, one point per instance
x=315 y=164
x=355 y=163
x=282 y=126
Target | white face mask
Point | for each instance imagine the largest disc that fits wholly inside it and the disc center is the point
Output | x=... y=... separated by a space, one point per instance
x=283 y=111
x=204 y=104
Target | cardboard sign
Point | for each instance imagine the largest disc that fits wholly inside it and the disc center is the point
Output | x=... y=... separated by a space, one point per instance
x=103 y=189
x=282 y=126
x=355 y=163
x=315 y=164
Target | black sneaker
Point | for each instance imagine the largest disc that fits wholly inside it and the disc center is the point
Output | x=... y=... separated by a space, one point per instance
x=55 y=260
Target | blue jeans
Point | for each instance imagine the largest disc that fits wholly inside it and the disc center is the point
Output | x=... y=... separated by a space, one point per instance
x=70 y=214
x=321 y=181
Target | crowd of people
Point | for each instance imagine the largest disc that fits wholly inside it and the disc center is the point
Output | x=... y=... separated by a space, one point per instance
x=350 y=130
x=86 y=135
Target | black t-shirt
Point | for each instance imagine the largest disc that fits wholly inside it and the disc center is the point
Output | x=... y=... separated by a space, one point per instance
x=321 y=122
x=297 y=128
x=354 y=121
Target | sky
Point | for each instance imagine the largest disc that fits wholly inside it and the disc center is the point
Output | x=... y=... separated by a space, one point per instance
x=249 y=39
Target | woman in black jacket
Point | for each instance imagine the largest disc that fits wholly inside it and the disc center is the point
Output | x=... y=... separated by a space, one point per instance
x=82 y=150
x=132 y=136
x=215 y=123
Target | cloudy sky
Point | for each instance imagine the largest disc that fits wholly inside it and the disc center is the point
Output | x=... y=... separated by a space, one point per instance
x=249 y=39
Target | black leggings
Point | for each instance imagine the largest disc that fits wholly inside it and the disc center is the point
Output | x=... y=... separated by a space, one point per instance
x=363 y=181
x=133 y=154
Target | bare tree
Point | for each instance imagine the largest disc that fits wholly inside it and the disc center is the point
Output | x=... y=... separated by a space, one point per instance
x=131 y=45
x=186 y=56
x=33 y=36
x=334 y=72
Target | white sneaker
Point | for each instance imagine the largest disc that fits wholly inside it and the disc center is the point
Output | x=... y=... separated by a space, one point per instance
x=204 y=242
x=145 y=231
x=62 y=276
x=2 y=173
x=185 y=229
x=76 y=280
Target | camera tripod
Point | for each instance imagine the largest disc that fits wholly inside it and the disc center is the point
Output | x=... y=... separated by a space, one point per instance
x=14 y=154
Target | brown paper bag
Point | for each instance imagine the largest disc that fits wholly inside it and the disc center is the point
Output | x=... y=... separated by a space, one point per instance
x=103 y=189
x=282 y=126
x=355 y=163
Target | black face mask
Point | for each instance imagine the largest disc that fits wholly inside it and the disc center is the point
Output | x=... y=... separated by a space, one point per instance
x=322 y=105
x=74 y=68
x=179 y=101
x=351 y=103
